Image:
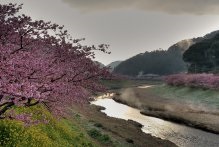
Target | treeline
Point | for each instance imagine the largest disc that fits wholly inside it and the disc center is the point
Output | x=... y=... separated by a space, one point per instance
x=203 y=80
x=203 y=56
x=161 y=62
x=197 y=54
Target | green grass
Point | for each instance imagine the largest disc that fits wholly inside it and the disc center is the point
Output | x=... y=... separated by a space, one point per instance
x=196 y=95
x=57 y=133
x=96 y=134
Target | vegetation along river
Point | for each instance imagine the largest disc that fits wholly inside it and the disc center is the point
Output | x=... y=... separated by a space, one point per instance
x=181 y=135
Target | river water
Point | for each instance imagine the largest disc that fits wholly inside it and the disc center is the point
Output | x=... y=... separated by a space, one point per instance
x=181 y=135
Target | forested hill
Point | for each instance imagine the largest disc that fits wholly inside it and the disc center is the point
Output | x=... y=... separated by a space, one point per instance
x=203 y=56
x=185 y=44
x=156 y=62
x=113 y=65
x=161 y=62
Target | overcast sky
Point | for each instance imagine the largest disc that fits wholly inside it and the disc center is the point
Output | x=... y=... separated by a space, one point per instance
x=129 y=26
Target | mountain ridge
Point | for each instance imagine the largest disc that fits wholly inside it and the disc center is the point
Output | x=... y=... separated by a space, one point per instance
x=170 y=61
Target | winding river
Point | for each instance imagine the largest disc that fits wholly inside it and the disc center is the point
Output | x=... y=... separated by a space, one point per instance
x=181 y=135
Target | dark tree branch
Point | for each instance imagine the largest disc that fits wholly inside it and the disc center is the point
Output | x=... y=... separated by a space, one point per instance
x=84 y=79
x=21 y=42
x=4 y=104
x=29 y=104
x=8 y=106
x=82 y=72
x=76 y=75
x=1 y=97
x=56 y=79
x=47 y=107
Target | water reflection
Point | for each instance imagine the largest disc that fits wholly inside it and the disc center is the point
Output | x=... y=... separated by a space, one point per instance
x=145 y=86
x=179 y=134
x=108 y=95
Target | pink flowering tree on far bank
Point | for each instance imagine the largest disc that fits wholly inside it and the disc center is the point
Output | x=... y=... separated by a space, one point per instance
x=206 y=81
x=41 y=63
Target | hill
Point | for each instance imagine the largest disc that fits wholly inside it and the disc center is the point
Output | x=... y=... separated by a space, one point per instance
x=113 y=65
x=161 y=62
x=183 y=45
x=158 y=62
x=101 y=65
x=203 y=56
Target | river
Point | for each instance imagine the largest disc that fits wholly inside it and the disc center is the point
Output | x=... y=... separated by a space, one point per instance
x=181 y=135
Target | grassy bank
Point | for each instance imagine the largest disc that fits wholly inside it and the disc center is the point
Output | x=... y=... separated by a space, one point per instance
x=209 y=98
x=58 y=133
x=86 y=126
x=113 y=132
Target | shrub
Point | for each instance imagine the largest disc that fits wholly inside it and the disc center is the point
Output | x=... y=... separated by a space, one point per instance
x=99 y=125
x=206 y=81
x=129 y=140
x=96 y=134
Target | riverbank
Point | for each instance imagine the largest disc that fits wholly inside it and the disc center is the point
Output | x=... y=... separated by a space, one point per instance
x=85 y=126
x=181 y=135
x=120 y=132
x=193 y=107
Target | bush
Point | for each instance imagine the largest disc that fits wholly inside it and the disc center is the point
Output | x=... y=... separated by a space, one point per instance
x=206 y=81
x=99 y=125
x=96 y=134
x=129 y=140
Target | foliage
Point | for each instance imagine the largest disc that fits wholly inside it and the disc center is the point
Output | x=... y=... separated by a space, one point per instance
x=159 y=62
x=96 y=134
x=206 y=81
x=203 y=56
x=60 y=133
x=41 y=63
x=129 y=140
x=99 y=125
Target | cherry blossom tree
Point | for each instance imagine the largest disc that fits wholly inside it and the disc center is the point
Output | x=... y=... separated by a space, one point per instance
x=41 y=63
x=206 y=81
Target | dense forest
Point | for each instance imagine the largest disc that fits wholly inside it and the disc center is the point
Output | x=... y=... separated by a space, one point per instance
x=159 y=62
x=203 y=56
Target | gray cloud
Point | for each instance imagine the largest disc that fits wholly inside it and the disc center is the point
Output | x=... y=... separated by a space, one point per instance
x=197 y=7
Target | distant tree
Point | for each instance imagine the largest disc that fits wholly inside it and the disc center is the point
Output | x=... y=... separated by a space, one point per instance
x=41 y=63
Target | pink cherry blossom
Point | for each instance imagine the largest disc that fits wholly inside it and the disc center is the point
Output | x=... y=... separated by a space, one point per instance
x=207 y=81
x=40 y=63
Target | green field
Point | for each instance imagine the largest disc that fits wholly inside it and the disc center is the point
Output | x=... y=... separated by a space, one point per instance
x=209 y=98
